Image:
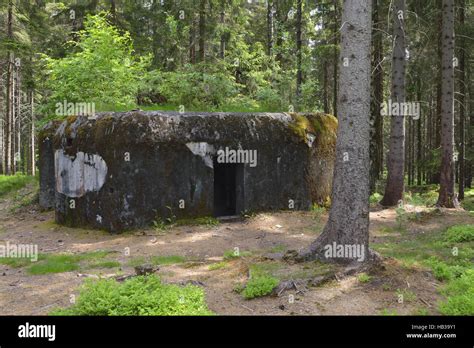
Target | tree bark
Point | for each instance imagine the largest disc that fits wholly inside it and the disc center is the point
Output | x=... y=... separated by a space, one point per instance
x=32 y=137
x=376 y=120
x=223 y=39
x=269 y=27
x=192 y=41
x=447 y=197
x=9 y=96
x=348 y=223
x=462 y=106
x=299 y=54
x=395 y=161
x=202 y=30
x=335 y=55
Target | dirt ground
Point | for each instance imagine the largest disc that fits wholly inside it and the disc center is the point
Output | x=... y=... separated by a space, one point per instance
x=24 y=294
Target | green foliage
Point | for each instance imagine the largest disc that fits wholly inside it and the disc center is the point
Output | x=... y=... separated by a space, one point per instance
x=194 y=86
x=206 y=220
x=459 y=234
x=13 y=183
x=401 y=218
x=460 y=295
x=217 y=265
x=142 y=295
x=235 y=254
x=157 y=260
x=375 y=198
x=99 y=68
x=58 y=263
x=364 y=278
x=259 y=285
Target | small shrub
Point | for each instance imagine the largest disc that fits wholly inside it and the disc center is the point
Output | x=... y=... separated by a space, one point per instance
x=142 y=295
x=235 y=254
x=441 y=270
x=259 y=286
x=375 y=198
x=459 y=234
x=364 y=278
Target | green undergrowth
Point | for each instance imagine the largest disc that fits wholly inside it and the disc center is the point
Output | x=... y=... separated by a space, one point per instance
x=59 y=263
x=141 y=295
x=14 y=183
x=156 y=260
x=449 y=254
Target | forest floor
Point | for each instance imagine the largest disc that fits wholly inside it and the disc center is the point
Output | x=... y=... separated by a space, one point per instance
x=204 y=254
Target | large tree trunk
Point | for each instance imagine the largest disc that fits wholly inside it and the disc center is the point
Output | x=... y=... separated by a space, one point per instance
x=299 y=73
x=376 y=120
x=470 y=132
x=348 y=224
x=462 y=105
x=447 y=197
x=395 y=161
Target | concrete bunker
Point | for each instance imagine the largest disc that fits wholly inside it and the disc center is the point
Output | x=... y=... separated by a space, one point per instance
x=124 y=170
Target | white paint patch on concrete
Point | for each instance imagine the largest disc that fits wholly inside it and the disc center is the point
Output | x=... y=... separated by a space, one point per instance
x=310 y=138
x=76 y=176
x=203 y=150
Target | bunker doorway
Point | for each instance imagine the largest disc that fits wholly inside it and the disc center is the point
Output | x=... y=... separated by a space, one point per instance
x=227 y=188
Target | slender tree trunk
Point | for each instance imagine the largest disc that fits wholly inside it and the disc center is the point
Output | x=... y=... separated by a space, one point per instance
x=32 y=136
x=335 y=57
x=202 y=30
x=325 y=86
x=447 y=197
x=222 y=20
x=376 y=120
x=9 y=95
x=278 y=32
x=18 y=160
x=419 y=146
x=408 y=159
x=269 y=27
x=299 y=54
x=348 y=223
x=437 y=128
x=395 y=161
x=462 y=106
x=192 y=41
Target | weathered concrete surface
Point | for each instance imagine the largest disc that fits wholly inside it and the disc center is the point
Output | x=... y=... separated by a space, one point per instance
x=123 y=170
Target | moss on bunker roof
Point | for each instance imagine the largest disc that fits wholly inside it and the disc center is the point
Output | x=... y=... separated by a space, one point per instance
x=169 y=126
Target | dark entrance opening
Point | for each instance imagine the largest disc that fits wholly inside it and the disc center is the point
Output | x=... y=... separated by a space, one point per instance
x=225 y=188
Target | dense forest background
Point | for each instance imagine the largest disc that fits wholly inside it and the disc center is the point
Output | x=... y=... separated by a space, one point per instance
x=61 y=58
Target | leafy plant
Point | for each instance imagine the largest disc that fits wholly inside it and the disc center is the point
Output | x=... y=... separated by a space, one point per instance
x=364 y=278
x=100 y=68
x=141 y=295
x=260 y=285
x=459 y=234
